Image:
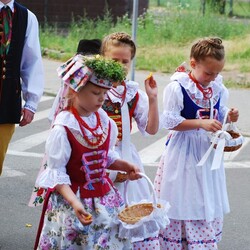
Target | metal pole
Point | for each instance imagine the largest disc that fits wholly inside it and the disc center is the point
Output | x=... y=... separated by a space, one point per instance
x=203 y=7
x=231 y=8
x=134 y=30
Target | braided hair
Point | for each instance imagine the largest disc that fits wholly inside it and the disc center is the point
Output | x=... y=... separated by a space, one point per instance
x=208 y=47
x=118 y=39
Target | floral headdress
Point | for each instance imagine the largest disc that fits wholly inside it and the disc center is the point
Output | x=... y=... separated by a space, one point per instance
x=79 y=70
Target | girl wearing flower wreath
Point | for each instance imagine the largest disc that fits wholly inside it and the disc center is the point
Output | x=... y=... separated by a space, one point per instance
x=125 y=102
x=81 y=202
x=85 y=47
x=194 y=104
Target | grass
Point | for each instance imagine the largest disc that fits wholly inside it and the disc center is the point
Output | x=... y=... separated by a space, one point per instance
x=164 y=36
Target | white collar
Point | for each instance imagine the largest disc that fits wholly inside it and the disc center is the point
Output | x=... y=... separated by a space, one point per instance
x=10 y=4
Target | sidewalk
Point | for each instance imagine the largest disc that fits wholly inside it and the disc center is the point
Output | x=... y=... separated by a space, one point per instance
x=239 y=98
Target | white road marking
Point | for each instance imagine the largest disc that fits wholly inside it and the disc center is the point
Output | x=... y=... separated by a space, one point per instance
x=229 y=156
x=153 y=152
x=25 y=154
x=237 y=164
x=41 y=115
x=7 y=172
x=28 y=142
x=46 y=98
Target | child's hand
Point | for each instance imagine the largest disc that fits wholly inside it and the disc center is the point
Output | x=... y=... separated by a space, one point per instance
x=151 y=86
x=84 y=217
x=233 y=115
x=133 y=173
x=211 y=125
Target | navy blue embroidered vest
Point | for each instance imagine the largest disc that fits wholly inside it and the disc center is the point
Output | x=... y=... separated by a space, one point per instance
x=10 y=87
x=190 y=108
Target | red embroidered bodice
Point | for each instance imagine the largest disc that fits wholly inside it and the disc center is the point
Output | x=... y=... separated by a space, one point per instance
x=114 y=112
x=87 y=166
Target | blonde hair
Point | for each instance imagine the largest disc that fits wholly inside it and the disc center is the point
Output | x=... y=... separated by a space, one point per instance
x=208 y=47
x=118 y=39
x=70 y=97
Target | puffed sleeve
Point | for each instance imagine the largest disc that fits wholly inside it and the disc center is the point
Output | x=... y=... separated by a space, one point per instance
x=58 y=152
x=141 y=112
x=172 y=106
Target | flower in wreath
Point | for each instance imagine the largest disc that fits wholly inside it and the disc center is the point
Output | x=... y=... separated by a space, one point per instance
x=98 y=70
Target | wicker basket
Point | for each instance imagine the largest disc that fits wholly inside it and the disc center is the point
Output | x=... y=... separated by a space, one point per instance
x=234 y=135
x=236 y=140
x=133 y=213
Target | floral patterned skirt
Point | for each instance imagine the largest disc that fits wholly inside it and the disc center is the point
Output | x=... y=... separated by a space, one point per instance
x=62 y=230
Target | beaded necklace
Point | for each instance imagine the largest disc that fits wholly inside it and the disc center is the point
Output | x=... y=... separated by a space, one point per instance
x=83 y=125
x=207 y=93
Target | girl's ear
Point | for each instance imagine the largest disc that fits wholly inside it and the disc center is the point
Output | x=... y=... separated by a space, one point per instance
x=192 y=63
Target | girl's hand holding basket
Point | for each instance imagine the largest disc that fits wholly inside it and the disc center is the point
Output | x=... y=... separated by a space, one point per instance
x=228 y=139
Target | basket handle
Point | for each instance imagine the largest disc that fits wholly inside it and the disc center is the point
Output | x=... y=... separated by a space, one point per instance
x=150 y=184
x=225 y=120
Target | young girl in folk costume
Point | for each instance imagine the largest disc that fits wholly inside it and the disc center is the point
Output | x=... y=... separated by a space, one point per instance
x=86 y=48
x=126 y=101
x=81 y=202
x=194 y=104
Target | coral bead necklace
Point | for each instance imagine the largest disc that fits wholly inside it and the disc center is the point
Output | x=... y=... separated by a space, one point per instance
x=84 y=126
